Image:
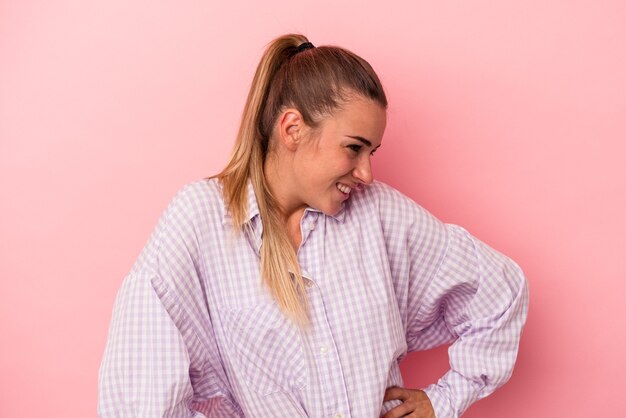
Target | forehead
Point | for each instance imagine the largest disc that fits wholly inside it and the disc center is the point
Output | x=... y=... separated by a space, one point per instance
x=360 y=117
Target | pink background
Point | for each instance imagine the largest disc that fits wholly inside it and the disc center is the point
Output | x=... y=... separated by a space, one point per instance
x=506 y=117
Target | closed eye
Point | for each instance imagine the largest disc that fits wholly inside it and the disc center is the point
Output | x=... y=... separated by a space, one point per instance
x=355 y=147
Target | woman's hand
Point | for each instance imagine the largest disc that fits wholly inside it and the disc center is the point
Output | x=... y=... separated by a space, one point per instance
x=415 y=403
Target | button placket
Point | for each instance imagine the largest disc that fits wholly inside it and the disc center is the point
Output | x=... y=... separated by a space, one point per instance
x=320 y=340
x=307 y=225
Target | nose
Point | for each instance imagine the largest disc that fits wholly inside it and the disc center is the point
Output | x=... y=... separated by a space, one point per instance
x=363 y=170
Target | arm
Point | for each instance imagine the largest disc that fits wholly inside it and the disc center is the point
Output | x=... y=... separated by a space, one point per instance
x=478 y=298
x=161 y=358
x=145 y=369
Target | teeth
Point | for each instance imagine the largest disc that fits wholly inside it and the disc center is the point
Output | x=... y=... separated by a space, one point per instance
x=345 y=189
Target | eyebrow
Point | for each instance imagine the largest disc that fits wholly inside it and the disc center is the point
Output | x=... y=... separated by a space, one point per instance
x=363 y=140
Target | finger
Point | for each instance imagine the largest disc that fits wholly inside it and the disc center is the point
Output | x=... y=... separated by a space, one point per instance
x=395 y=392
x=399 y=411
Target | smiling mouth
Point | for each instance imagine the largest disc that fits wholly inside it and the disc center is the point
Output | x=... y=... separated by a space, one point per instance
x=343 y=188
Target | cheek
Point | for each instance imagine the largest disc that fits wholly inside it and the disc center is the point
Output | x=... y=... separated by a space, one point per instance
x=344 y=166
x=325 y=170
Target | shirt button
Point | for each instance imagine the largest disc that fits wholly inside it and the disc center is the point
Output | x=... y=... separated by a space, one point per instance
x=324 y=350
x=309 y=283
x=338 y=415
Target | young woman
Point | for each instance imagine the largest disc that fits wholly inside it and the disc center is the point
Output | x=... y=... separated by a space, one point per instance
x=292 y=284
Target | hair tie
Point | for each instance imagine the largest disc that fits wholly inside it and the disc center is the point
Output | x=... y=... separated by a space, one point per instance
x=303 y=47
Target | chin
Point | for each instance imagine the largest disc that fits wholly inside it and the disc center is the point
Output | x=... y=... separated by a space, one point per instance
x=328 y=207
x=331 y=210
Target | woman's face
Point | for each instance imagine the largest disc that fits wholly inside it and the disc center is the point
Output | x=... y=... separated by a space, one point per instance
x=337 y=158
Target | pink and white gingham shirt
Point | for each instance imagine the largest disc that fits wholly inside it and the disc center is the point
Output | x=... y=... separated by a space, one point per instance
x=194 y=333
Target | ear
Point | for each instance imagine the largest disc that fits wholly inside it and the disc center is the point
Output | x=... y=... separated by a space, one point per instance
x=291 y=128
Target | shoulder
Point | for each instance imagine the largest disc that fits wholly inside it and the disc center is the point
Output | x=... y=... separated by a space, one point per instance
x=398 y=215
x=198 y=198
x=198 y=190
x=376 y=194
x=389 y=203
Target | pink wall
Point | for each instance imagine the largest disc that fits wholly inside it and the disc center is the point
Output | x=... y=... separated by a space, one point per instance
x=506 y=117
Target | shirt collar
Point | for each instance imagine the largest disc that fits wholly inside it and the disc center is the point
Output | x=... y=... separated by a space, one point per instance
x=252 y=208
x=339 y=216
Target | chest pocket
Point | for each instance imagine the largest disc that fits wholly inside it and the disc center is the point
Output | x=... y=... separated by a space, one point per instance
x=266 y=348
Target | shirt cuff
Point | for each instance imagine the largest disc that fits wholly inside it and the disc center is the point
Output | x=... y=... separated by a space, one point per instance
x=440 y=402
x=453 y=394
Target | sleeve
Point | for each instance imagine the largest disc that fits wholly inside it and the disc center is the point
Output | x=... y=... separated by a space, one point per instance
x=478 y=298
x=145 y=368
x=160 y=358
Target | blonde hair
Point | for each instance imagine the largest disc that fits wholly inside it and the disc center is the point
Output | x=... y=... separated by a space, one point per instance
x=316 y=82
